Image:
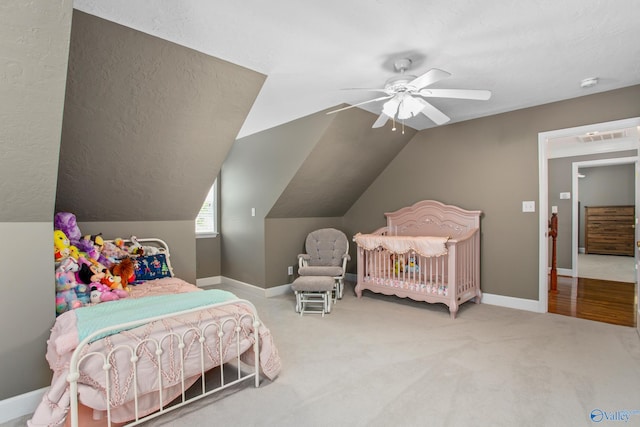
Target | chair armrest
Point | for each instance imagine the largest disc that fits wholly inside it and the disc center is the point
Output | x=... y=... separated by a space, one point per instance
x=303 y=260
x=347 y=256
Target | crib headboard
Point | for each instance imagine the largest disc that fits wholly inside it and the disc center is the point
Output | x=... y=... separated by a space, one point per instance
x=432 y=218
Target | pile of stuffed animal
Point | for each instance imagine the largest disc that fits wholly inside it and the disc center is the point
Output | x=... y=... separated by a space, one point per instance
x=88 y=269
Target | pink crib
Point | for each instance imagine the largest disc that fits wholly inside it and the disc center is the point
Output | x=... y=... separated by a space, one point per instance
x=427 y=252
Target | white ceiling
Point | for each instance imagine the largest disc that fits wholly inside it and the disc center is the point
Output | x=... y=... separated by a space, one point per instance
x=527 y=52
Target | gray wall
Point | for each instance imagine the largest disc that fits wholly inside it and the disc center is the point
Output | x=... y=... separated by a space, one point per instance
x=33 y=66
x=489 y=164
x=286 y=237
x=255 y=173
x=560 y=170
x=208 y=257
x=315 y=167
x=144 y=120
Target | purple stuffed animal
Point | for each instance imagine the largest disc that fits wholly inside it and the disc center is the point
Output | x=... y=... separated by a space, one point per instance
x=66 y=221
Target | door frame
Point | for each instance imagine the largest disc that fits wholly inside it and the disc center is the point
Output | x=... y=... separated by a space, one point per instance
x=543 y=194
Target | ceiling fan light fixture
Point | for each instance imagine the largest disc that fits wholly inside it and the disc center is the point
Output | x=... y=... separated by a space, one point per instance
x=404 y=113
x=410 y=107
x=390 y=108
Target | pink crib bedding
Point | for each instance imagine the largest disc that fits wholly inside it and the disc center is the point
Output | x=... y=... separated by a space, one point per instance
x=92 y=382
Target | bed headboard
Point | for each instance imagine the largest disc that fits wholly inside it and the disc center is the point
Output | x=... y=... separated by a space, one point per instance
x=432 y=218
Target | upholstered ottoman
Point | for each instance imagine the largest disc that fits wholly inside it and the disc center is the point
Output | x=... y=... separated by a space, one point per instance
x=313 y=294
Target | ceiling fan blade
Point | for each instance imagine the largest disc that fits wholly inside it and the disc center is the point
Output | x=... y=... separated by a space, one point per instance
x=428 y=78
x=367 y=89
x=436 y=116
x=478 y=94
x=360 y=103
x=381 y=121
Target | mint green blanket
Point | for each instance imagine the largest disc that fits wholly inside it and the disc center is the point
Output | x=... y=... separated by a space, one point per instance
x=94 y=318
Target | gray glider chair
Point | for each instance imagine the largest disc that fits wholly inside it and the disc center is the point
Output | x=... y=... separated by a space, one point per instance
x=327 y=255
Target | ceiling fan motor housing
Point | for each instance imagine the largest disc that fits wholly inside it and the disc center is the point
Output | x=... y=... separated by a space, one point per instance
x=402 y=64
x=399 y=83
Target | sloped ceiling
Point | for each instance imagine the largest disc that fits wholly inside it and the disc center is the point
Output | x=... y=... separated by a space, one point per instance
x=33 y=67
x=526 y=52
x=147 y=124
x=345 y=160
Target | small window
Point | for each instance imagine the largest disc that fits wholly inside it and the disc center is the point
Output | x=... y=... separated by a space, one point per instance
x=206 y=219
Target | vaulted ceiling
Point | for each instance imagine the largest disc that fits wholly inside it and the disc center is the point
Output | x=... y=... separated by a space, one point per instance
x=527 y=53
x=165 y=89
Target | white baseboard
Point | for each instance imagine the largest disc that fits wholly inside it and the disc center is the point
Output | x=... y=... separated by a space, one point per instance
x=278 y=290
x=208 y=281
x=565 y=272
x=20 y=405
x=491 y=299
x=511 y=302
x=267 y=293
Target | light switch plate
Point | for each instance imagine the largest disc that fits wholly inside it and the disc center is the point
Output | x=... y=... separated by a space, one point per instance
x=565 y=196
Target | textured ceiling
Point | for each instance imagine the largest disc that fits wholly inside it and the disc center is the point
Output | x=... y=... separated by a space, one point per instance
x=527 y=53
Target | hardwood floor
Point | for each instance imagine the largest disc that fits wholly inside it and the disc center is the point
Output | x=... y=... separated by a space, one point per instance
x=594 y=299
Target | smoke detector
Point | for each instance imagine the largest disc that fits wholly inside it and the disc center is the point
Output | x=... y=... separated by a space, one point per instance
x=589 y=82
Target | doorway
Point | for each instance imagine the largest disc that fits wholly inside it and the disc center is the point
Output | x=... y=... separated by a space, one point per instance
x=612 y=137
x=596 y=177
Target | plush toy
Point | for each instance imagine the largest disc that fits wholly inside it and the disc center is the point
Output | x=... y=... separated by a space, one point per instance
x=136 y=248
x=114 y=284
x=95 y=296
x=83 y=293
x=68 y=265
x=113 y=252
x=412 y=265
x=102 y=293
x=398 y=263
x=66 y=222
x=92 y=245
x=66 y=298
x=74 y=252
x=61 y=245
x=91 y=271
x=125 y=270
x=119 y=242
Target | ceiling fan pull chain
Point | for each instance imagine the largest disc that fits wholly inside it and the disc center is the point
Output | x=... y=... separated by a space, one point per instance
x=394 y=123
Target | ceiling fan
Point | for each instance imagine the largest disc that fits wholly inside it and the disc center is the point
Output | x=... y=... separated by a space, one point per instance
x=405 y=95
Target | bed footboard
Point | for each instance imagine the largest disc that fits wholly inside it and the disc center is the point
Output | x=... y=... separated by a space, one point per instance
x=175 y=361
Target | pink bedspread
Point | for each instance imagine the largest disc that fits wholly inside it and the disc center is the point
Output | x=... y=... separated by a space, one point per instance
x=53 y=409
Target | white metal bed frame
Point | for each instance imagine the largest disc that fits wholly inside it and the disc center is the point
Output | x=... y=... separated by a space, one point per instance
x=77 y=358
x=254 y=372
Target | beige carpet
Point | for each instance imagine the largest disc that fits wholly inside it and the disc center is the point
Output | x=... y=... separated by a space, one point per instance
x=384 y=361
x=607 y=267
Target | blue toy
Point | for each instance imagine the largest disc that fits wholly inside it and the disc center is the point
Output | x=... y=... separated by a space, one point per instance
x=66 y=298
